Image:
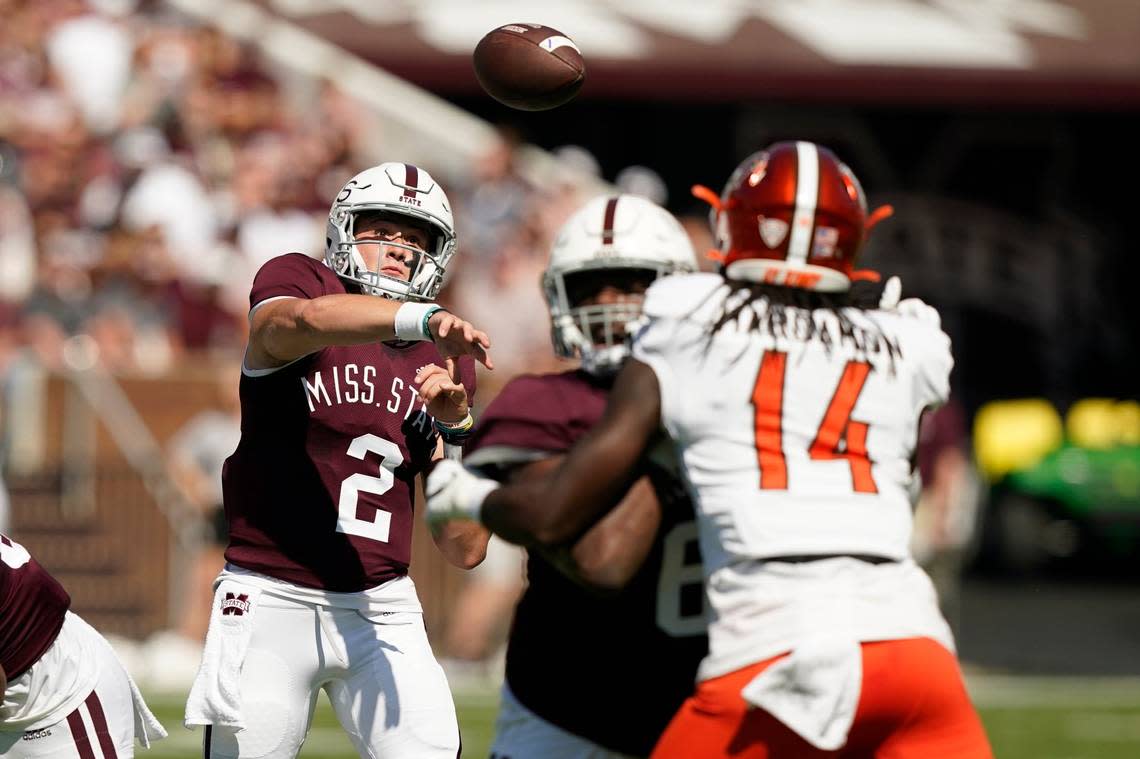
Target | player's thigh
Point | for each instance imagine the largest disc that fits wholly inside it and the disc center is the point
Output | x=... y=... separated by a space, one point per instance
x=716 y=721
x=102 y=727
x=914 y=704
x=522 y=734
x=278 y=682
x=394 y=701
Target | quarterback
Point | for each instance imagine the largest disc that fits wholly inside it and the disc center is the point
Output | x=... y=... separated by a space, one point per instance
x=791 y=386
x=344 y=400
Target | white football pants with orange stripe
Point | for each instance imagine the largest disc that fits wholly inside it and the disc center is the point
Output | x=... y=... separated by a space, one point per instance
x=76 y=702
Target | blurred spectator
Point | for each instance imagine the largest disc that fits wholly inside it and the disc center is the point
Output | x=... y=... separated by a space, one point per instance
x=91 y=55
x=494 y=203
x=477 y=637
x=946 y=514
x=643 y=182
x=196 y=454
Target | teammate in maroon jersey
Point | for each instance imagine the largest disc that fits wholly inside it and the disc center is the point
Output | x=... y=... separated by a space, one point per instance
x=594 y=673
x=63 y=689
x=344 y=400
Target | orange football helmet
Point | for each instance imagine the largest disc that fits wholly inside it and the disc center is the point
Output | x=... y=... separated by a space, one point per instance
x=792 y=214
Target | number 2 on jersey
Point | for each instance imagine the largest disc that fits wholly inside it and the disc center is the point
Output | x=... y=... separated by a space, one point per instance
x=348 y=521
x=837 y=425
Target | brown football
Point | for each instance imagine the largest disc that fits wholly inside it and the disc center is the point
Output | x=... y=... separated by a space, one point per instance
x=529 y=66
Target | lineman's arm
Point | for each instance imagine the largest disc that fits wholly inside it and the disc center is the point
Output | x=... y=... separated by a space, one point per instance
x=595 y=474
x=611 y=552
x=285 y=329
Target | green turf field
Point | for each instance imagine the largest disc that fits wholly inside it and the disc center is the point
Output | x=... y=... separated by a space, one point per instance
x=1026 y=719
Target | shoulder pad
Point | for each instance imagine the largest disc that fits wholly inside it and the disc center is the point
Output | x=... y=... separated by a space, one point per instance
x=680 y=294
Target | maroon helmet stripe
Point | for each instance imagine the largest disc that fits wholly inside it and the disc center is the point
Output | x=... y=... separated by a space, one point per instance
x=79 y=735
x=99 y=721
x=608 y=222
x=411 y=179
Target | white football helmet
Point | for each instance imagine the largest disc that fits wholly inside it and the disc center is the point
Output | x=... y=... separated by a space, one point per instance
x=623 y=233
x=409 y=193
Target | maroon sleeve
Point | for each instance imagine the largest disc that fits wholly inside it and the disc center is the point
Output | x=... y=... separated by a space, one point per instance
x=292 y=275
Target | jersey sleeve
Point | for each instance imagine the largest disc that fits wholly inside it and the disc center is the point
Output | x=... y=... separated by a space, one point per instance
x=521 y=425
x=677 y=315
x=651 y=346
x=935 y=359
x=292 y=275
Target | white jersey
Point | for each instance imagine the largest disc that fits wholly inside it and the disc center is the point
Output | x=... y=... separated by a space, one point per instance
x=796 y=430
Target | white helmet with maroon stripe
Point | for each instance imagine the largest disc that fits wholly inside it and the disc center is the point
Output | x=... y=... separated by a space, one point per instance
x=624 y=241
x=410 y=195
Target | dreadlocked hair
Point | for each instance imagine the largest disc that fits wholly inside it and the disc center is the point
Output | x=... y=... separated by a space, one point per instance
x=791 y=312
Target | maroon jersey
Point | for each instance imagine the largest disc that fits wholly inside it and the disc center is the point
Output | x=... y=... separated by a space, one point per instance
x=611 y=668
x=32 y=607
x=320 y=489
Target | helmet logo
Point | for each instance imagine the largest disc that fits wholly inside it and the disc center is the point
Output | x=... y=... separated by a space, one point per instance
x=348 y=188
x=826 y=239
x=773 y=231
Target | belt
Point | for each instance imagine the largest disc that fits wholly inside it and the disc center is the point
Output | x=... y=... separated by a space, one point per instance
x=802 y=558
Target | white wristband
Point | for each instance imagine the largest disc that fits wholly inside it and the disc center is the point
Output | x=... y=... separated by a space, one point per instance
x=412 y=319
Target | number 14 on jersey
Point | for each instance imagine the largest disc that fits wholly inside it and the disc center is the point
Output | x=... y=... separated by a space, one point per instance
x=837 y=426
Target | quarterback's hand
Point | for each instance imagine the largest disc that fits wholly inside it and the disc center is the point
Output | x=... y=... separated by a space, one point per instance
x=441 y=390
x=455 y=337
x=454 y=493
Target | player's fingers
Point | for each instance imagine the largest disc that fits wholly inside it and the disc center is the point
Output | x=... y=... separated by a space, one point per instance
x=430 y=388
x=445 y=326
x=483 y=357
x=428 y=370
x=452 y=368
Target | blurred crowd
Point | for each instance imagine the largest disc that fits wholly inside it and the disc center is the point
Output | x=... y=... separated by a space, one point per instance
x=149 y=165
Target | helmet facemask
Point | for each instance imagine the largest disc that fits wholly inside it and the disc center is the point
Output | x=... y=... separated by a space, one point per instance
x=426 y=269
x=597 y=333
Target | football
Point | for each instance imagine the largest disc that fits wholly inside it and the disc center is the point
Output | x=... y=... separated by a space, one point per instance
x=530 y=67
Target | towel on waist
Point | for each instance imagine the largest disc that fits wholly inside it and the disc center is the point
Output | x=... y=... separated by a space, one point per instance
x=215 y=697
x=814 y=690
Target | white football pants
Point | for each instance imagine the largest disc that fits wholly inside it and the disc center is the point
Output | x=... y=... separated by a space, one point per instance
x=383 y=681
x=76 y=702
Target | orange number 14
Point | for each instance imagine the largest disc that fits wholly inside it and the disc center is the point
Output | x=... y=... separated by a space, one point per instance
x=837 y=425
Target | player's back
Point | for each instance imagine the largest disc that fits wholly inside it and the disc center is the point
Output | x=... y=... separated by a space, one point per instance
x=578 y=658
x=796 y=429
